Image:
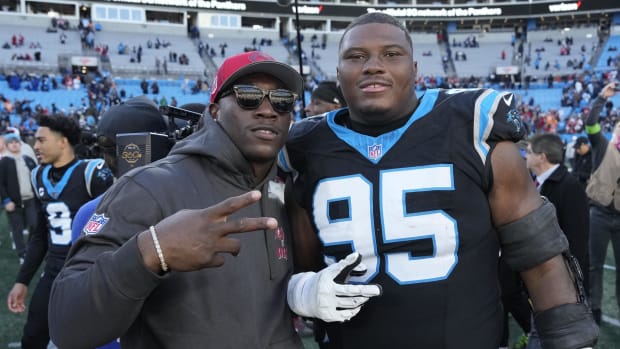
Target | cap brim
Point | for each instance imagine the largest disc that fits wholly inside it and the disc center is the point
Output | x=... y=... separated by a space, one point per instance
x=283 y=72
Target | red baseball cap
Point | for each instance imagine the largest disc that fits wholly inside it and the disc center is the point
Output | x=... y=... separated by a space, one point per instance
x=251 y=62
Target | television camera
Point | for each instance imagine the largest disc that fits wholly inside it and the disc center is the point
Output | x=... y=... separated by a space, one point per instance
x=141 y=148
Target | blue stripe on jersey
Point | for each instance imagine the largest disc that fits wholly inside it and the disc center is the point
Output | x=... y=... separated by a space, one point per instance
x=485 y=107
x=33 y=180
x=90 y=169
x=373 y=148
x=55 y=190
x=283 y=162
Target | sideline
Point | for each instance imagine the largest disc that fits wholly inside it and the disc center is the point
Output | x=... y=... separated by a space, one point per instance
x=610 y=320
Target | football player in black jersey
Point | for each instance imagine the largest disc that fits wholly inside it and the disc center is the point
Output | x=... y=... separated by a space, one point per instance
x=62 y=184
x=427 y=191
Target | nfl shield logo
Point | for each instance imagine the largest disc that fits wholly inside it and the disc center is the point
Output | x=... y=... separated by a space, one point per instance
x=95 y=223
x=375 y=151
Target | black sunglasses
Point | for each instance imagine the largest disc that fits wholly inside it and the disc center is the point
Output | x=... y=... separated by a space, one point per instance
x=251 y=97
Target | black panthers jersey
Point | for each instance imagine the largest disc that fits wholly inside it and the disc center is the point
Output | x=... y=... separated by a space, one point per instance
x=413 y=202
x=61 y=198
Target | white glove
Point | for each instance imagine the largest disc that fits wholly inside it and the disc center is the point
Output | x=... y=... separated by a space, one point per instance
x=326 y=295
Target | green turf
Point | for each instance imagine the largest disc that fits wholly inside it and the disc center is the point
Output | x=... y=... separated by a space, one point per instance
x=11 y=324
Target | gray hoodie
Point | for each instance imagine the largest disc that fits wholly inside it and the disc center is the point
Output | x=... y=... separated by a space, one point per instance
x=105 y=291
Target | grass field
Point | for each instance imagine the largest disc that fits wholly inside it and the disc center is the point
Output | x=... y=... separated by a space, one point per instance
x=11 y=324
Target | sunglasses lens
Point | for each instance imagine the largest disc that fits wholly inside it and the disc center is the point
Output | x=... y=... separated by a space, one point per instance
x=282 y=100
x=249 y=97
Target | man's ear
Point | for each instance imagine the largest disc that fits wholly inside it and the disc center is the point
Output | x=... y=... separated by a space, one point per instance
x=214 y=110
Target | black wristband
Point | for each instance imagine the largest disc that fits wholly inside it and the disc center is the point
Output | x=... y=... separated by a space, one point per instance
x=568 y=326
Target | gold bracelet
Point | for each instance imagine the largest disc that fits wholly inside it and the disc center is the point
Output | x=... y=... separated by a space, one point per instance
x=160 y=253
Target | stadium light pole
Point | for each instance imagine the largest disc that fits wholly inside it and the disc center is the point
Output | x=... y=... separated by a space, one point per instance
x=301 y=63
x=299 y=51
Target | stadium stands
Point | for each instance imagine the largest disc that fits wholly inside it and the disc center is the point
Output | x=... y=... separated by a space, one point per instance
x=179 y=44
x=483 y=59
x=36 y=38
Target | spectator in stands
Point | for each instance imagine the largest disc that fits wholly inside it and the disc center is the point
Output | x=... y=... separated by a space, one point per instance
x=90 y=39
x=77 y=82
x=183 y=59
x=144 y=85
x=154 y=88
x=54 y=82
x=604 y=192
x=134 y=55
x=68 y=81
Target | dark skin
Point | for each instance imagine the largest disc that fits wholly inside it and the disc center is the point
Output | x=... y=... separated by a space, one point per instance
x=377 y=73
x=197 y=239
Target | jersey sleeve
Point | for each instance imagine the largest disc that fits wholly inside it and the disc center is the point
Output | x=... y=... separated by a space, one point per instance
x=98 y=177
x=36 y=250
x=291 y=157
x=82 y=216
x=506 y=118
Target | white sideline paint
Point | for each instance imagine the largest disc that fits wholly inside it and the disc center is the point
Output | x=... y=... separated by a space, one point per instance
x=610 y=320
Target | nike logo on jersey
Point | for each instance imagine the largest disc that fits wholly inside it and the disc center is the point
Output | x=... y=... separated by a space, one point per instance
x=507 y=98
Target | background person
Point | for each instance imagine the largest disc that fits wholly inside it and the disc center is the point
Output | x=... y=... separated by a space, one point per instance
x=325 y=97
x=582 y=162
x=604 y=192
x=545 y=157
x=62 y=184
x=16 y=192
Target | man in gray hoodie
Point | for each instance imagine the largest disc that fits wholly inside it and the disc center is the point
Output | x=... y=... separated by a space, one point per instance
x=192 y=251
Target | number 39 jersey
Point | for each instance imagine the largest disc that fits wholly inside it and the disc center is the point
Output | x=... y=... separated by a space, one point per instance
x=61 y=198
x=413 y=202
